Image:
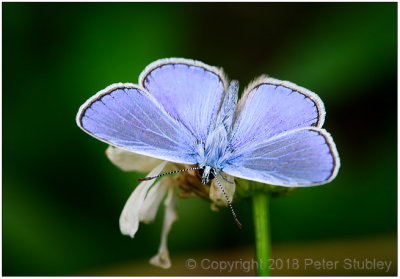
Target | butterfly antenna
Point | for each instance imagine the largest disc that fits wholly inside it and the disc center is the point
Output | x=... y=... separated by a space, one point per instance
x=229 y=202
x=166 y=173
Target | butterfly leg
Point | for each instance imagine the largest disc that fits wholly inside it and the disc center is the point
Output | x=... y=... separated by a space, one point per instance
x=220 y=174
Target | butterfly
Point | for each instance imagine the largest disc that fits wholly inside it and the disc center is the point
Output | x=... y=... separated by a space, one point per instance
x=185 y=111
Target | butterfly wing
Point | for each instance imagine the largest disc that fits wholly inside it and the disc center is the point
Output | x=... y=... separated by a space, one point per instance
x=189 y=91
x=127 y=116
x=302 y=157
x=277 y=139
x=269 y=107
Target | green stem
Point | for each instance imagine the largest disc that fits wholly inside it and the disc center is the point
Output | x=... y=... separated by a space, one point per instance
x=262 y=228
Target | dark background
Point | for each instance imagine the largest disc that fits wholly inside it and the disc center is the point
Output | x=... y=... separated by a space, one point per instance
x=62 y=197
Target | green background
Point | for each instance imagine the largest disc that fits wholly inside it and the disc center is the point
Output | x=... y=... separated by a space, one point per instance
x=62 y=197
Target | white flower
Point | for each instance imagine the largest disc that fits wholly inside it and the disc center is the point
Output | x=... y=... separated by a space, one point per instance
x=129 y=161
x=142 y=205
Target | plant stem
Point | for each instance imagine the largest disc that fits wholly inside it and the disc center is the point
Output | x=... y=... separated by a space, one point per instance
x=262 y=228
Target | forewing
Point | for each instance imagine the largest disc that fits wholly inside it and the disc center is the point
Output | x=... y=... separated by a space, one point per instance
x=270 y=107
x=126 y=116
x=189 y=91
x=301 y=157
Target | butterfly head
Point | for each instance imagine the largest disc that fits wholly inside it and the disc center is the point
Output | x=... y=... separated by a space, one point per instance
x=207 y=174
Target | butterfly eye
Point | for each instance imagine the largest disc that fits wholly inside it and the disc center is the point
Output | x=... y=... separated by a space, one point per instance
x=211 y=176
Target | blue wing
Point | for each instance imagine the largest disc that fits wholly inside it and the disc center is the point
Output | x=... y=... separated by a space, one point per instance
x=127 y=116
x=276 y=137
x=270 y=107
x=302 y=157
x=189 y=91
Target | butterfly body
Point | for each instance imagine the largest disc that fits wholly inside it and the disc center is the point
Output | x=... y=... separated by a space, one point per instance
x=214 y=150
x=184 y=111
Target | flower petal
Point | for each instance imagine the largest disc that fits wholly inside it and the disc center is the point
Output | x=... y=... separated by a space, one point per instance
x=153 y=199
x=129 y=220
x=129 y=161
x=162 y=258
x=216 y=195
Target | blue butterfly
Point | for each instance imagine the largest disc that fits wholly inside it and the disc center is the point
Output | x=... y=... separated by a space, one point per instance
x=186 y=112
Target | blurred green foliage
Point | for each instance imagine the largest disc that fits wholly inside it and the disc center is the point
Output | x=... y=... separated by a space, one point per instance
x=62 y=197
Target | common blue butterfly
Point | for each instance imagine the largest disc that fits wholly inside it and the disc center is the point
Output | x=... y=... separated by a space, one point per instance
x=185 y=111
